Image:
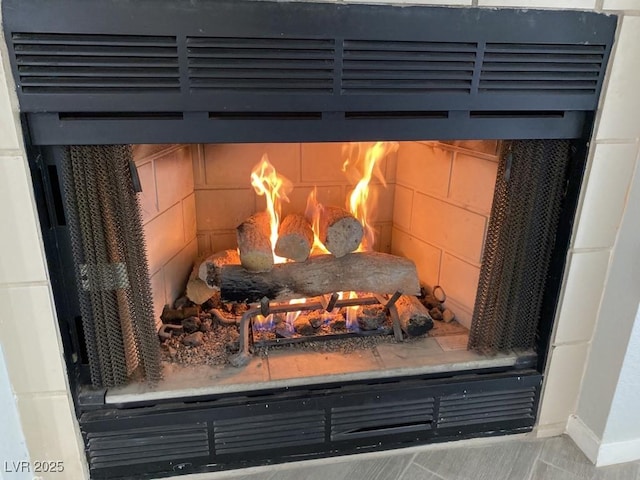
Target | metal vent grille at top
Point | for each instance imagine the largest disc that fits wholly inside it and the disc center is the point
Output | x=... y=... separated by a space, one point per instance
x=372 y=66
x=520 y=67
x=79 y=63
x=261 y=65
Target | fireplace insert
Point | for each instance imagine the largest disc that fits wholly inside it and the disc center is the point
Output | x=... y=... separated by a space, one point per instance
x=426 y=162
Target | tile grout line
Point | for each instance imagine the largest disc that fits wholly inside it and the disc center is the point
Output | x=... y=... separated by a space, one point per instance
x=553 y=465
x=533 y=465
x=430 y=471
x=407 y=466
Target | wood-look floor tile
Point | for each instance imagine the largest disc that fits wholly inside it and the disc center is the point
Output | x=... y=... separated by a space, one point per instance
x=561 y=452
x=416 y=472
x=500 y=461
x=627 y=471
x=545 y=471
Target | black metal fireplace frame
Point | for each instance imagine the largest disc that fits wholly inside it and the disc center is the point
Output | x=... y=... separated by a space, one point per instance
x=96 y=72
x=64 y=104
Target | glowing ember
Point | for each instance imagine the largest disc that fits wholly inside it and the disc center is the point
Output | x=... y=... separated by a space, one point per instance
x=275 y=188
x=366 y=164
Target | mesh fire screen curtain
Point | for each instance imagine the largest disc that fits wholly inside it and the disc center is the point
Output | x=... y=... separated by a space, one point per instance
x=111 y=265
x=524 y=219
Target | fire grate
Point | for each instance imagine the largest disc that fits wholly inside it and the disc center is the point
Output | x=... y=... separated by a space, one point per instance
x=328 y=303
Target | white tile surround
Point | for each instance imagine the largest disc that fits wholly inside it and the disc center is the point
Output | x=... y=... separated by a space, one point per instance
x=35 y=364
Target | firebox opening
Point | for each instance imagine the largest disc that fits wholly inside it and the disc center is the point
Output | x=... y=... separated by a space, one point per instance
x=425 y=202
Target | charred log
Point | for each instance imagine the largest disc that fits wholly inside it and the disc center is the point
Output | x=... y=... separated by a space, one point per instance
x=371 y=272
x=209 y=267
x=414 y=316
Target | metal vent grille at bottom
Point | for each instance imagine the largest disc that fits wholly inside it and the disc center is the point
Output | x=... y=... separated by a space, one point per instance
x=147 y=445
x=264 y=432
x=386 y=418
x=468 y=409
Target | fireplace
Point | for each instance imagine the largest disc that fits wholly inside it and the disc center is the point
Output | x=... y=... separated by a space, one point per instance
x=207 y=193
x=423 y=94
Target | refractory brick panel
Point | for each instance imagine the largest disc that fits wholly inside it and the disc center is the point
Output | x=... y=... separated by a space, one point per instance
x=442 y=202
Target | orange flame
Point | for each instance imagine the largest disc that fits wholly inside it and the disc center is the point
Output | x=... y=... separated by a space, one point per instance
x=275 y=188
x=365 y=166
x=351 y=317
x=312 y=212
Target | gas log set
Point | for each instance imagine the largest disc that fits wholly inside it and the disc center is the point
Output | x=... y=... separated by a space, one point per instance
x=310 y=276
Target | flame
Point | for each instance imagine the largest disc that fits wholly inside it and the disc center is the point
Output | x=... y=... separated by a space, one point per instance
x=275 y=188
x=365 y=166
x=291 y=316
x=352 y=314
x=264 y=324
x=351 y=317
x=312 y=212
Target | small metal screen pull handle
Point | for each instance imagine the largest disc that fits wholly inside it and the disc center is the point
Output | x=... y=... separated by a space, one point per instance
x=507 y=170
x=135 y=178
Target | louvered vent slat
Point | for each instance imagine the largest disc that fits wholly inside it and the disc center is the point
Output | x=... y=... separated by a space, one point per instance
x=261 y=65
x=402 y=67
x=544 y=68
x=94 y=62
x=147 y=445
x=474 y=408
x=380 y=419
x=264 y=432
x=89 y=39
x=55 y=71
x=83 y=63
x=394 y=66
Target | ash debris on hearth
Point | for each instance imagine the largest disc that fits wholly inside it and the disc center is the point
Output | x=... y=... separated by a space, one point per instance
x=208 y=334
x=199 y=334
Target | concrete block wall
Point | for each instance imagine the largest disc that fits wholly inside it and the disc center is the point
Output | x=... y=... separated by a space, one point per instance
x=225 y=197
x=443 y=198
x=169 y=217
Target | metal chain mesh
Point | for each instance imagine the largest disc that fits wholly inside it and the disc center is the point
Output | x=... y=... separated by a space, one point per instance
x=111 y=265
x=520 y=239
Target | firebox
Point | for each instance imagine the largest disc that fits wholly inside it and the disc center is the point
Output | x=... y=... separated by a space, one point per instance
x=292 y=230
